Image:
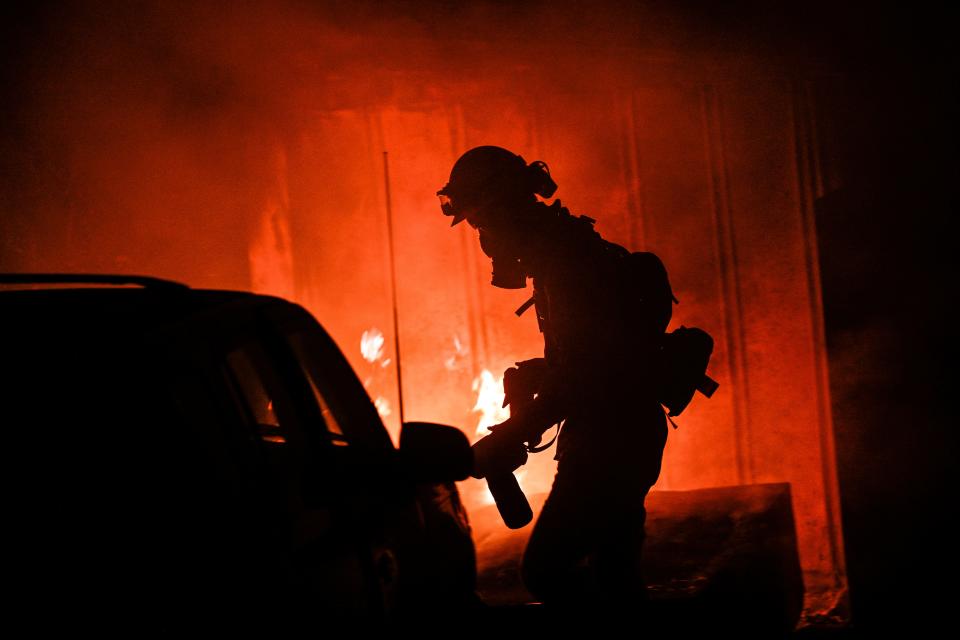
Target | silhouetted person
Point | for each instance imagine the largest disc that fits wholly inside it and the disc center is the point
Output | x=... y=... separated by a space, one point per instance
x=602 y=312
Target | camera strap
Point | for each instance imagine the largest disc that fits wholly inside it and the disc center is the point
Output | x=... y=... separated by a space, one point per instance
x=544 y=447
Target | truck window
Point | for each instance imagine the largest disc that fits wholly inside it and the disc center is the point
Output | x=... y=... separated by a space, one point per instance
x=336 y=431
x=290 y=452
x=256 y=398
x=350 y=415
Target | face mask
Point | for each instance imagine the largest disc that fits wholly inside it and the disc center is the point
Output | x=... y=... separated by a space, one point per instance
x=507 y=270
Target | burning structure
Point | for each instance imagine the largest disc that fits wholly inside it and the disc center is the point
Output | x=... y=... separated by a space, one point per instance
x=241 y=148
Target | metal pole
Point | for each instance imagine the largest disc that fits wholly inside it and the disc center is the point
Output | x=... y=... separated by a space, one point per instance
x=393 y=285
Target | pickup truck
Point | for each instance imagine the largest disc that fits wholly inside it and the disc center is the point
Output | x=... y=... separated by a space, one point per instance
x=200 y=459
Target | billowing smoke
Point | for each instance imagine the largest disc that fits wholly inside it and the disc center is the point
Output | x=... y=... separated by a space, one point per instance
x=240 y=145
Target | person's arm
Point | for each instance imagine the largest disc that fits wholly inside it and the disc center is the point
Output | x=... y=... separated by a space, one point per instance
x=532 y=417
x=504 y=449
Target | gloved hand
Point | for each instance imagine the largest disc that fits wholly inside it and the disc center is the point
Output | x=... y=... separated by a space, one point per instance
x=500 y=452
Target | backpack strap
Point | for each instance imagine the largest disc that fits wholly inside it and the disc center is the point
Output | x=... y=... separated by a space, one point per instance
x=526 y=305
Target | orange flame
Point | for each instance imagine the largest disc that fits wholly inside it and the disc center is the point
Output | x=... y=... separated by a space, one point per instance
x=383 y=406
x=371 y=344
x=455 y=359
x=489 y=401
x=489 y=405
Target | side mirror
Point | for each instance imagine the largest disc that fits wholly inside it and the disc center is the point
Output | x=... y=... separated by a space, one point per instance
x=435 y=452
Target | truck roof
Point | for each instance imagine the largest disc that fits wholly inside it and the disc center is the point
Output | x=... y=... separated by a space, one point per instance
x=71 y=300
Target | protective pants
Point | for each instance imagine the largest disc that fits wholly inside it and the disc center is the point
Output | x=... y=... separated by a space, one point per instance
x=585 y=549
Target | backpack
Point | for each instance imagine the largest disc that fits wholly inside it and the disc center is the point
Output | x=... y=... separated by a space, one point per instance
x=683 y=353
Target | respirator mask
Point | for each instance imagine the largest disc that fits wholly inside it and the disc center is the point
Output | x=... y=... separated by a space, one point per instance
x=508 y=273
x=488 y=186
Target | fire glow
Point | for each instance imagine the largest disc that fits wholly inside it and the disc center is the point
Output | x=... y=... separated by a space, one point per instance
x=262 y=171
x=383 y=406
x=371 y=345
x=489 y=405
x=372 y=350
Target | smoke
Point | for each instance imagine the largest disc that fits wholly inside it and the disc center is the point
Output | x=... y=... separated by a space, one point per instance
x=140 y=133
x=239 y=145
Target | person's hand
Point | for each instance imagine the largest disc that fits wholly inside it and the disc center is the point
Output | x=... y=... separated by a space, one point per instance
x=499 y=452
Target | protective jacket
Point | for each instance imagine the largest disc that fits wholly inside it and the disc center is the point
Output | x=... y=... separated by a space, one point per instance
x=602 y=311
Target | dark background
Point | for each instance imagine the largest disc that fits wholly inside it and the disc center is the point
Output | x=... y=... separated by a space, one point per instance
x=888 y=271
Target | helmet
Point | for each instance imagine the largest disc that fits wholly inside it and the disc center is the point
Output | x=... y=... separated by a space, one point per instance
x=488 y=176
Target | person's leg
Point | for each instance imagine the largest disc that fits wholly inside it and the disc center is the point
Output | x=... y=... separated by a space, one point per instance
x=618 y=559
x=634 y=468
x=596 y=507
x=554 y=568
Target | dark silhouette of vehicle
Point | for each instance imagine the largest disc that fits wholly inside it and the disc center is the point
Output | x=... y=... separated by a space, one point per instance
x=208 y=459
